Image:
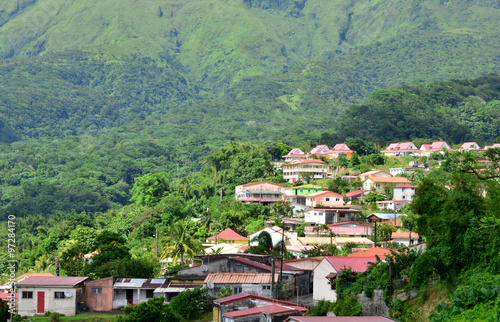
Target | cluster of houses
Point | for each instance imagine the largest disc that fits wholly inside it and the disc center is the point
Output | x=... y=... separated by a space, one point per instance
x=252 y=279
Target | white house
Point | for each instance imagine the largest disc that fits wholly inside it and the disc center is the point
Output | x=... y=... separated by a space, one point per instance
x=275 y=232
x=297 y=170
x=326 y=272
x=405 y=238
x=404 y=192
x=39 y=294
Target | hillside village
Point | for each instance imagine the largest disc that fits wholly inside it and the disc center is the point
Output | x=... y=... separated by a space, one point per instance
x=300 y=257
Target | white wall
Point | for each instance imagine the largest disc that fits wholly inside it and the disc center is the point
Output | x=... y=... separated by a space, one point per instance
x=321 y=288
x=66 y=306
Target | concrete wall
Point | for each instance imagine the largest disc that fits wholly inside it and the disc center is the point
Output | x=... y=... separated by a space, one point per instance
x=66 y=306
x=99 y=302
x=374 y=305
x=404 y=193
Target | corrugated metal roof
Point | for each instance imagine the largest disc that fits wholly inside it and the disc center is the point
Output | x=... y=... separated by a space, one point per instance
x=53 y=280
x=240 y=278
x=129 y=282
x=357 y=264
x=338 y=319
x=270 y=309
x=229 y=234
x=243 y=296
x=263 y=266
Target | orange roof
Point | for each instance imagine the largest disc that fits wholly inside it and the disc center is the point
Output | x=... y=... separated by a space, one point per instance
x=380 y=252
x=229 y=234
x=389 y=179
x=405 y=235
x=240 y=278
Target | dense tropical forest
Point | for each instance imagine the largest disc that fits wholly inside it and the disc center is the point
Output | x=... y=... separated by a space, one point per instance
x=118 y=118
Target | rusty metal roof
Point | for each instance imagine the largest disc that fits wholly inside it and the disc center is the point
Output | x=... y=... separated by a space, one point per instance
x=240 y=278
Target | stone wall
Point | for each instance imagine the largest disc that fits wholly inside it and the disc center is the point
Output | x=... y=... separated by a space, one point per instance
x=374 y=305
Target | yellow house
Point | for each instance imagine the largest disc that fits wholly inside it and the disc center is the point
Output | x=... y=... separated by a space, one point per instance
x=379 y=183
x=230 y=237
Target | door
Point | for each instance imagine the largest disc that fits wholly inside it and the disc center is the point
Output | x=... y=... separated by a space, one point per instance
x=130 y=297
x=41 y=303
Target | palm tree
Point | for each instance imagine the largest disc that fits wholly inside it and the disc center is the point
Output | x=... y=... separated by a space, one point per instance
x=180 y=242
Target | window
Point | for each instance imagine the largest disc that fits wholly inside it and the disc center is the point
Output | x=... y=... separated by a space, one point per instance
x=96 y=290
x=327 y=199
x=266 y=287
x=238 y=269
x=27 y=295
x=285 y=278
x=237 y=290
x=150 y=294
x=58 y=295
x=337 y=199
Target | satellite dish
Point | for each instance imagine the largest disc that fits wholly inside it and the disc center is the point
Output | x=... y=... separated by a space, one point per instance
x=204 y=268
x=68 y=293
x=210 y=285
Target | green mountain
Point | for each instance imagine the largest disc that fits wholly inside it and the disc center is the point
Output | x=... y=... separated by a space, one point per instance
x=220 y=41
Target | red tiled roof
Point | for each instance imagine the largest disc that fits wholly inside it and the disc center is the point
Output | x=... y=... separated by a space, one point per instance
x=381 y=252
x=270 y=309
x=229 y=234
x=297 y=161
x=404 y=235
x=339 y=148
x=53 y=280
x=347 y=223
x=356 y=193
x=388 y=179
x=357 y=264
x=244 y=296
x=406 y=185
x=240 y=278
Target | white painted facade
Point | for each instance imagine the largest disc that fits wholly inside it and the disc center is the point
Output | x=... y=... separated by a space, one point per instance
x=404 y=193
x=67 y=305
x=322 y=289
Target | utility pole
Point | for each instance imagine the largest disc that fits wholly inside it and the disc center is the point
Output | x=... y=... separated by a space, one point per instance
x=375 y=234
x=273 y=295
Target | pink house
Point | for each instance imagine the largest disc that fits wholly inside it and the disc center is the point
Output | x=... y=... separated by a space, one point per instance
x=400 y=149
x=325 y=198
x=264 y=192
x=340 y=149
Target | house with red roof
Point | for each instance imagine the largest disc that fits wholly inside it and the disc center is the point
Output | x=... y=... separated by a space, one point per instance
x=405 y=238
x=357 y=194
x=494 y=146
x=374 y=173
x=243 y=301
x=273 y=312
x=327 y=270
x=264 y=192
x=468 y=146
x=39 y=294
x=439 y=146
x=400 y=149
x=340 y=149
x=371 y=252
x=296 y=170
x=294 y=154
x=319 y=151
x=228 y=236
x=378 y=184
x=325 y=198
x=404 y=192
